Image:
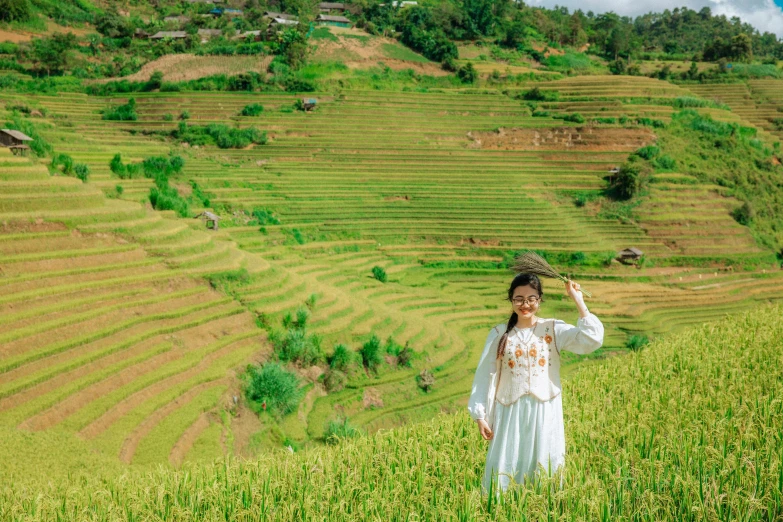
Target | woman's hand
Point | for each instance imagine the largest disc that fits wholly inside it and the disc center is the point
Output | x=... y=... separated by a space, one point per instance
x=572 y=290
x=485 y=430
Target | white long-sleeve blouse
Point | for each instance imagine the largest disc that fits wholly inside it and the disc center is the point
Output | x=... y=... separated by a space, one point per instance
x=584 y=338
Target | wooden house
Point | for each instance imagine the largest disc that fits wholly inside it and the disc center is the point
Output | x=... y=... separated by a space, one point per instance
x=328 y=7
x=632 y=254
x=174 y=35
x=210 y=219
x=181 y=20
x=16 y=141
x=333 y=20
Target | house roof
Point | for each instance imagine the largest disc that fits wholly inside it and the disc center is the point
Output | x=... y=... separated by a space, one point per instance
x=169 y=34
x=180 y=18
x=331 y=5
x=16 y=134
x=284 y=21
x=209 y=215
x=204 y=1
x=330 y=18
x=284 y=16
x=632 y=250
x=210 y=32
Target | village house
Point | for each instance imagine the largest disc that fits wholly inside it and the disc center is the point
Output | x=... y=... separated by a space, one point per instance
x=328 y=7
x=174 y=35
x=210 y=219
x=333 y=20
x=15 y=140
x=632 y=254
x=181 y=20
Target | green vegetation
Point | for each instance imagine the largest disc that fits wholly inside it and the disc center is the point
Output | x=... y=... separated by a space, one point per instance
x=379 y=273
x=371 y=353
x=126 y=112
x=271 y=388
x=253 y=109
x=660 y=435
x=218 y=134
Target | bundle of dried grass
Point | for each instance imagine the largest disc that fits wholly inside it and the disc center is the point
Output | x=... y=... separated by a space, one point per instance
x=532 y=263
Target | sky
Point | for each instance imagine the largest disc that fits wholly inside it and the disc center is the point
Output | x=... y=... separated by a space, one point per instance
x=765 y=15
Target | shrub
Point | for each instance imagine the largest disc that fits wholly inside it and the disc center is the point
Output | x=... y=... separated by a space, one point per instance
x=371 y=353
x=379 y=273
x=338 y=430
x=125 y=112
x=665 y=162
x=425 y=380
x=342 y=358
x=219 y=134
x=690 y=101
x=273 y=386
x=537 y=94
x=574 y=117
x=184 y=115
x=405 y=357
x=82 y=171
x=262 y=216
x=14 y=10
x=648 y=152
x=167 y=198
x=631 y=179
x=168 y=117
x=64 y=163
x=637 y=342
x=254 y=109
x=743 y=214
x=467 y=73
x=297 y=346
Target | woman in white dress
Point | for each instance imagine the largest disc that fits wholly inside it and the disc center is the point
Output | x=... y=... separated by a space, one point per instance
x=516 y=398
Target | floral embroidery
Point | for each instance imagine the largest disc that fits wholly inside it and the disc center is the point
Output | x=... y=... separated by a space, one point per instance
x=533 y=352
x=541 y=362
x=548 y=339
x=511 y=364
x=518 y=353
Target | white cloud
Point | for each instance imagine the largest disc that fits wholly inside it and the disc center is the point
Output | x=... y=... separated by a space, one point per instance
x=762 y=14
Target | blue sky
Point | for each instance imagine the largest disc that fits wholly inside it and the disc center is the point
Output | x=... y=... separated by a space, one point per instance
x=764 y=15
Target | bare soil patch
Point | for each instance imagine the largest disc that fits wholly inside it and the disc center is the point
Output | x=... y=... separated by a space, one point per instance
x=563 y=138
x=185 y=67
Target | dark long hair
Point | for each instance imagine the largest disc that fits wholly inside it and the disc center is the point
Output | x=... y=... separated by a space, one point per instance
x=519 y=280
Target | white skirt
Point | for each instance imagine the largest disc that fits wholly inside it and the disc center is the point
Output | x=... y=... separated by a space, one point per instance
x=527 y=433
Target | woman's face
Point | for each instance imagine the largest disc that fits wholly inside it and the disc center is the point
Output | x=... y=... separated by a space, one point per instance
x=526 y=308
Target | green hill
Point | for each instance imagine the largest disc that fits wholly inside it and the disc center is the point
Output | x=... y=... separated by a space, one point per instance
x=688 y=429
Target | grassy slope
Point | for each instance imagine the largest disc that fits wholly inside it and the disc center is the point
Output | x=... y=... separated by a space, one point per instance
x=688 y=429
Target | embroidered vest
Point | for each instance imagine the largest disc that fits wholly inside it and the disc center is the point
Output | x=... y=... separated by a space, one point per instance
x=530 y=368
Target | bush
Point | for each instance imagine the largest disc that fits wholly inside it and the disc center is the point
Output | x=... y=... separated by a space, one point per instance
x=273 y=386
x=167 y=198
x=338 y=430
x=665 y=162
x=425 y=380
x=379 y=273
x=371 y=353
x=342 y=358
x=82 y=171
x=405 y=357
x=297 y=346
x=254 y=109
x=743 y=214
x=219 y=134
x=574 y=117
x=637 y=342
x=14 y=10
x=467 y=73
x=648 y=152
x=184 y=115
x=631 y=179
x=125 y=112
x=262 y=216
x=537 y=94
x=64 y=163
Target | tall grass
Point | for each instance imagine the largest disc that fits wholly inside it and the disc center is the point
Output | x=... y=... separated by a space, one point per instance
x=686 y=430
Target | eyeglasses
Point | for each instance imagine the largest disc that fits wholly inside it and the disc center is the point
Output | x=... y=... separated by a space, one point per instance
x=519 y=301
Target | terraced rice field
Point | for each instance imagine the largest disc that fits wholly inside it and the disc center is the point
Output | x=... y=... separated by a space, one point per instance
x=758 y=102
x=112 y=335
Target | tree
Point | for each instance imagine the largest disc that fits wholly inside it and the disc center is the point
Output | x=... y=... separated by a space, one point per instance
x=14 y=10
x=741 y=48
x=113 y=25
x=52 y=52
x=467 y=73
